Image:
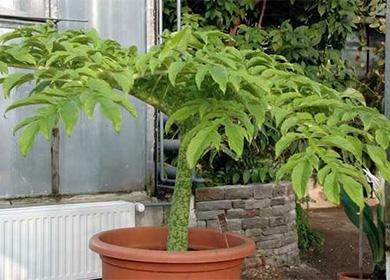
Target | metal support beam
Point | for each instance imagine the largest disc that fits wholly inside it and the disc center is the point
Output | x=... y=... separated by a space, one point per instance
x=387 y=68
x=55 y=162
x=152 y=27
x=178 y=11
x=387 y=113
x=39 y=19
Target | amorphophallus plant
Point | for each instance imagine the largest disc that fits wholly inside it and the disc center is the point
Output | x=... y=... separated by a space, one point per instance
x=217 y=95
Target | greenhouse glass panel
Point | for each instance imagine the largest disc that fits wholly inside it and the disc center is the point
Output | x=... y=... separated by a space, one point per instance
x=21 y=176
x=33 y=8
x=95 y=158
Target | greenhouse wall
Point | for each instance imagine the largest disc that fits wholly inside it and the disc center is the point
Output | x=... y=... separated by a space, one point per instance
x=95 y=159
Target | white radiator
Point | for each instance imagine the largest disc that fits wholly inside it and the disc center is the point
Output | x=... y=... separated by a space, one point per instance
x=51 y=242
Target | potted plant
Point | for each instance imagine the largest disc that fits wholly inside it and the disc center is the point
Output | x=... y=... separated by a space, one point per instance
x=218 y=96
x=371 y=222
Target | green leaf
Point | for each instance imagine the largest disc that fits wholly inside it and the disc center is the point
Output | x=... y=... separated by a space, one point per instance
x=173 y=70
x=246 y=176
x=287 y=97
x=25 y=122
x=357 y=146
x=3 y=67
x=321 y=9
x=346 y=143
x=258 y=110
x=33 y=100
x=87 y=72
x=382 y=138
x=9 y=36
x=200 y=75
x=93 y=35
x=112 y=112
x=14 y=80
x=219 y=75
x=27 y=138
x=124 y=80
x=280 y=114
x=215 y=139
x=332 y=188
x=262 y=172
x=287 y=167
x=124 y=101
x=46 y=124
x=222 y=57
x=21 y=55
x=323 y=173
x=154 y=63
x=235 y=178
x=377 y=154
x=70 y=115
x=235 y=52
x=285 y=141
x=198 y=144
x=235 y=135
x=142 y=63
x=100 y=86
x=293 y=121
x=89 y=106
x=353 y=189
x=300 y=177
x=320 y=118
x=180 y=115
x=56 y=57
x=235 y=81
x=179 y=39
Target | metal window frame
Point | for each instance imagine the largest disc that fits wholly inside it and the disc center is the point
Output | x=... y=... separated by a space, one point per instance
x=387 y=113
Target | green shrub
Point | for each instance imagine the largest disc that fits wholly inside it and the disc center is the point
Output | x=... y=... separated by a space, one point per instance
x=307 y=237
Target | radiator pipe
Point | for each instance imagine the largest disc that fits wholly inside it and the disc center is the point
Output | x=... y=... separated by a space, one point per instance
x=157 y=204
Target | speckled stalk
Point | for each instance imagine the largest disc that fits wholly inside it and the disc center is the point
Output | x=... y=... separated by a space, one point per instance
x=179 y=214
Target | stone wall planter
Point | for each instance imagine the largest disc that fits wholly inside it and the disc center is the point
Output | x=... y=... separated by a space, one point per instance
x=263 y=212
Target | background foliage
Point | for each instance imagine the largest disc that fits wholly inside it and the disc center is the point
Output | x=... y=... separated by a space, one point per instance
x=310 y=33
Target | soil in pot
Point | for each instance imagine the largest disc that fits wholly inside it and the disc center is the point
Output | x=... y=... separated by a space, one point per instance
x=139 y=253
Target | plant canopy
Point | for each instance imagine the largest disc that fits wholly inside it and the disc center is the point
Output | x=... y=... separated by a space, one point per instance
x=218 y=96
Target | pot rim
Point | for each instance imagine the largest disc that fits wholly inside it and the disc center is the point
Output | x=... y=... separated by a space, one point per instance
x=157 y=256
x=353 y=275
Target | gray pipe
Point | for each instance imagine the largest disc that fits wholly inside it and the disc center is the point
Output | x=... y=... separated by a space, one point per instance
x=178 y=11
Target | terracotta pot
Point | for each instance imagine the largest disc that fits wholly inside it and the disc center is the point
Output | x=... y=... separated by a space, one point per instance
x=352 y=276
x=139 y=253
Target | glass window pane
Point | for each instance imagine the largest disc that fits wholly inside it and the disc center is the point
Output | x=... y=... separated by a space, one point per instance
x=21 y=176
x=33 y=8
x=95 y=159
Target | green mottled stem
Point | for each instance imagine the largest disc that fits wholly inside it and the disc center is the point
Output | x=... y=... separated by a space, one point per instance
x=178 y=219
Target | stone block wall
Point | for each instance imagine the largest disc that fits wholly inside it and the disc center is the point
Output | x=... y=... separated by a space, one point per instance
x=263 y=212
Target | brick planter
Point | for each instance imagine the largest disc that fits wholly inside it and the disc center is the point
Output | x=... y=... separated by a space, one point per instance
x=263 y=212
